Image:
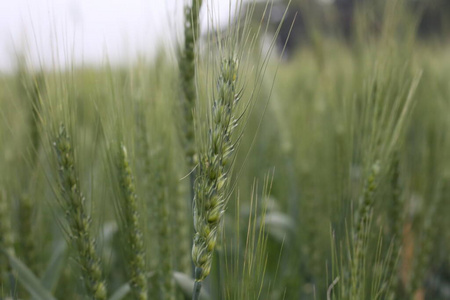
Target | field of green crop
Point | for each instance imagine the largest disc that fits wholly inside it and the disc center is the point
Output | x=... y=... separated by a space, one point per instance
x=229 y=173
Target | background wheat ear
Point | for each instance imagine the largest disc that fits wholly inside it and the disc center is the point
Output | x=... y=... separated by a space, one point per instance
x=187 y=65
x=74 y=203
x=6 y=241
x=188 y=58
x=128 y=208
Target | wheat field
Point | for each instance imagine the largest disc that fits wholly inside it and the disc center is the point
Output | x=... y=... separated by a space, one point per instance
x=233 y=167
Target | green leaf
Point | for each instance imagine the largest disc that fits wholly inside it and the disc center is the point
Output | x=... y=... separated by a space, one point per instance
x=121 y=292
x=30 y=282
x=186 y=285
x=55 y=266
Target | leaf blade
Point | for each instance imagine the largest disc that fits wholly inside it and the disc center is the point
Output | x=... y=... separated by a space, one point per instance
x=29 y=281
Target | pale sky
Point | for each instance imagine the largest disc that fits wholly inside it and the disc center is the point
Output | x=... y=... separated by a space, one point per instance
x=55 y=32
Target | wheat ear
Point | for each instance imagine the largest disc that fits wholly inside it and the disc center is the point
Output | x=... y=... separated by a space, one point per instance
x=165 y=268
x=78 y=219
x=212 y=177
x=26 y=237
x=188 y=72
x=360 y=229
x=6 y=237
x=128 y=206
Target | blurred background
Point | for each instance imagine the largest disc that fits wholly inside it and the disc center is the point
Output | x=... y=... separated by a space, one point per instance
x=63 y=31
x=90 y=31
x=336 y=18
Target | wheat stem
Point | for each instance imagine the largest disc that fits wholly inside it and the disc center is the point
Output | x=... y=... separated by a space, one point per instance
x=197 y=288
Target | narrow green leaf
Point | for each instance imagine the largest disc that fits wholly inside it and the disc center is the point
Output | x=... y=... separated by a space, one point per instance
x=30 y=282
x=121 y=292
x=57 y=261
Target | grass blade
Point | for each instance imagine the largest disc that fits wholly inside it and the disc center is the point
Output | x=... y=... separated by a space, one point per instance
x=121 y=292
x=30 y=282
x=55 y=266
